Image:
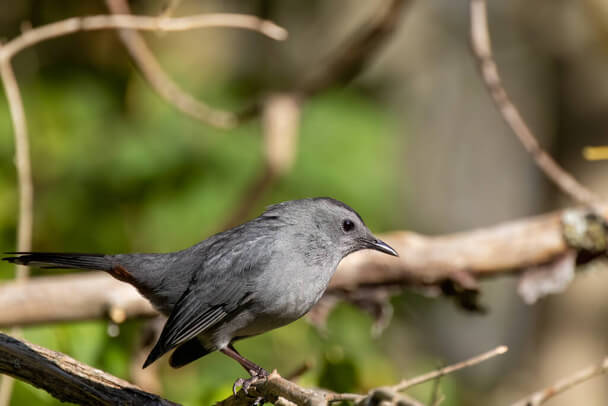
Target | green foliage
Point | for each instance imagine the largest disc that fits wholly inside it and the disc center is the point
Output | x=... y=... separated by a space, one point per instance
x=121 y=176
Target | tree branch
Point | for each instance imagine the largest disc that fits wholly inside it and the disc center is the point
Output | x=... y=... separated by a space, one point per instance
x=408 y=383
x=159 y=80
x=540 y=397
x=67 y=379
x=85 y=296
x=482 y=48
x=101 y=22
x=348 y=59
x=275 y=388
x=460 y=258
x=25 y=185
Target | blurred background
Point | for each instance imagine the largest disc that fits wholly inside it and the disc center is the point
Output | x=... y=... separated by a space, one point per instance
x=414 y=142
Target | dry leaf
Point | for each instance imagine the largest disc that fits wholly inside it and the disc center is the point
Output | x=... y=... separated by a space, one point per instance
x=543 y=280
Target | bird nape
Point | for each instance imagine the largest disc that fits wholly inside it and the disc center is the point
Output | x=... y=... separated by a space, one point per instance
x=233 y=284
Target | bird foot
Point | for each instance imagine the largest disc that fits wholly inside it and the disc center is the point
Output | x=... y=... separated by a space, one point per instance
x=257 y=375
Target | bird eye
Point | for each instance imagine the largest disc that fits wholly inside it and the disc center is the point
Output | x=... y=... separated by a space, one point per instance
x=348 y=225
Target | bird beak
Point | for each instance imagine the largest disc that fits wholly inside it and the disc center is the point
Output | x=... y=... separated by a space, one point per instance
x=381 y=246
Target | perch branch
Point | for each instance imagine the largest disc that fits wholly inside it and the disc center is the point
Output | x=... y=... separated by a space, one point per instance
x=276 y=387
x=482 y=48
x=67 y=379
x=71 y=381
x=540 y=397
x=424 y=261
x=90 y=295
x=100 y=22
x=159 y=80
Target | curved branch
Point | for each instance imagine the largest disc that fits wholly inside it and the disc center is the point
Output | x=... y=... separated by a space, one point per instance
x=22 y=162
x=101 y=22
x=482 y=48
x=67 y=379
x=157 y=78
x=25 y=186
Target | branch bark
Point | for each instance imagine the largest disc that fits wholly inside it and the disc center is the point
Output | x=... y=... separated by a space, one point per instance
x=461 y=258
x=101 y=22
x=67 y=379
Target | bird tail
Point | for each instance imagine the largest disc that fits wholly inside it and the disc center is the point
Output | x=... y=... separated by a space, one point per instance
x=60 y=260
x=51 y=260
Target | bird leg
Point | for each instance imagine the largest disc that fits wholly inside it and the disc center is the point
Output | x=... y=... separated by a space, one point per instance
x=256 y=371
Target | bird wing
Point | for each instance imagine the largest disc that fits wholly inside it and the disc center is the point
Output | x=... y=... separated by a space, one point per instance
x=230 y=264
x=191 y=317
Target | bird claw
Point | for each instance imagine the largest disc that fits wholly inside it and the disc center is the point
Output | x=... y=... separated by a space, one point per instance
x=256 y=376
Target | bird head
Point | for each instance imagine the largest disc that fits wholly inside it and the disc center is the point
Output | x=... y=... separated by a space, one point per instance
x=333 y=222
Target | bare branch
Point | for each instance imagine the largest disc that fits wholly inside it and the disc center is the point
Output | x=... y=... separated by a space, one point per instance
x=101 y=22
x=22 y=161
x=540 y=397
x=480 y=39
x=85 y=296
x=70 y=380
x=348 y=59
x=67 y=379
x=408 y=383
x=274 y=388
x=158 y=79
x=391 y=394
x=25 y=186
x=464 y=257
x=169 y=8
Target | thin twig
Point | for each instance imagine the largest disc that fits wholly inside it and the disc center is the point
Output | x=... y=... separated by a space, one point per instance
x=481 y=44
x=101 y=22
x=159 y=80
x=347 y=60
x=408 y=383
x=299 y=371
x=25 y=185
x=564 y=384
x=169 y=8
x=351 y=57
x=435 y=391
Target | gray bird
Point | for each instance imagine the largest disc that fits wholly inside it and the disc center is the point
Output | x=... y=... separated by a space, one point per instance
x=242 y=282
